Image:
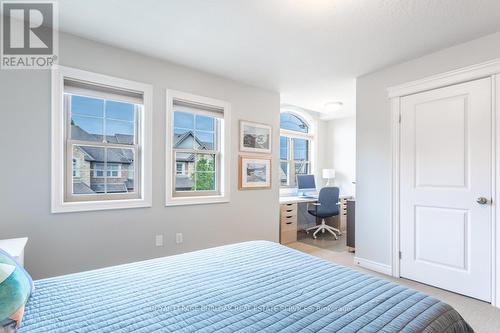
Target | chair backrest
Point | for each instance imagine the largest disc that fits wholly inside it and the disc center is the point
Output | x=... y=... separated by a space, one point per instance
x=328 y=198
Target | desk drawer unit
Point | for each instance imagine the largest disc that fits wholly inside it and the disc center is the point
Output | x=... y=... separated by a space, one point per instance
x=288 y=223
x=288 y=209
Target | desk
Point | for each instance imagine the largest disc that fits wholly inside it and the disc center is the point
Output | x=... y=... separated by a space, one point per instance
x=290 y=212
x=297 y=199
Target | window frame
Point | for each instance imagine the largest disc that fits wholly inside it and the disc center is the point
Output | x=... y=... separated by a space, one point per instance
x=223 y=141
x=290 y=135
x=61 y=154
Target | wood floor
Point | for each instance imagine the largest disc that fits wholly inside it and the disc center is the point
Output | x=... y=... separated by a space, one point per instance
x=483 y=317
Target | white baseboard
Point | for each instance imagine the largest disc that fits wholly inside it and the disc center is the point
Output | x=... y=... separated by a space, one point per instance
x=374 y=266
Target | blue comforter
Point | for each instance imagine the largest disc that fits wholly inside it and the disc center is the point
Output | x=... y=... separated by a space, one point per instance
x=248 y=287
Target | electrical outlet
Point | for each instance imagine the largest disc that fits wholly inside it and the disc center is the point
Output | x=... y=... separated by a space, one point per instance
x=178 y=238
x=159 y=240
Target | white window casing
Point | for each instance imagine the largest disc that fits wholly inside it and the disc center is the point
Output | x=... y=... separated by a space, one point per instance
x=74 y=81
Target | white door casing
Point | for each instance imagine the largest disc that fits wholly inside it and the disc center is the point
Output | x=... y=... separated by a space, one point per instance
x=445 y=166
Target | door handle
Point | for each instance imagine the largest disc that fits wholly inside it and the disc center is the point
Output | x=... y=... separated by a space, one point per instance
x=482 y=200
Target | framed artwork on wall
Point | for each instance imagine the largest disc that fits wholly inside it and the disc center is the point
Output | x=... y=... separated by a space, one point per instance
x=255 y=172
x=255 y=137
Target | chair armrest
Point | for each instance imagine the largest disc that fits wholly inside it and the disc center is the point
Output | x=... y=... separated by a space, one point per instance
x=316 y=204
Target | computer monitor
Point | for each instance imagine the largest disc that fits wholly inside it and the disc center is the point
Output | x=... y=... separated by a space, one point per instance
x=306 y=183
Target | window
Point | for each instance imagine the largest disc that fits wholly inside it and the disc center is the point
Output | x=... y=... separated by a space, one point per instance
x=180 y=168
x=295 y=148
x=197 y=134
x=111 y=170
x=102 y=127
x=76 y=169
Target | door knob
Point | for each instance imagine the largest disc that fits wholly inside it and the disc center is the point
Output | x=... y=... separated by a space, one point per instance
x=482 y=200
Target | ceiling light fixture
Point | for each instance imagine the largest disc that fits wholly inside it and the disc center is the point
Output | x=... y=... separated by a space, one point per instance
x=333 y=106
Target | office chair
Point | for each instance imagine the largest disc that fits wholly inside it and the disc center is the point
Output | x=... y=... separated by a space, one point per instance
x=327 y=206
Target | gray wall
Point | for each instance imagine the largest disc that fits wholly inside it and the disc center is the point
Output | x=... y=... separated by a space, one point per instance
x=64 y=243
x=342 y=155
x=373 y=135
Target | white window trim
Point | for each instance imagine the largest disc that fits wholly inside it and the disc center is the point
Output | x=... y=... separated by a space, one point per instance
x=313 y=144
x=58 y=204
x=225 y=151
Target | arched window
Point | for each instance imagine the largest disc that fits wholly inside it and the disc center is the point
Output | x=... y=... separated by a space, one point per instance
x=291 y=122
x=295 y=148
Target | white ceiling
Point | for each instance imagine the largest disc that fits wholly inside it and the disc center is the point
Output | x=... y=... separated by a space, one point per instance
x=308 y=50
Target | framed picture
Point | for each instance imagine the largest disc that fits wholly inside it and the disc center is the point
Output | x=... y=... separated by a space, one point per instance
x=255 y=172
x=255 y=137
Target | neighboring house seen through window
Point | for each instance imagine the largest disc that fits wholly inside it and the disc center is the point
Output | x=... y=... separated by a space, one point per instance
x=295 y=148
x=195 y=151
x=102 y=139
x=198 y=142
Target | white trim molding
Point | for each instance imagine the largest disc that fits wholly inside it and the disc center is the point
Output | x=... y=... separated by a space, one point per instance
x=469 y=73
x=58 y=142
x=225 y=151
x=487 y=69
x=373 y=266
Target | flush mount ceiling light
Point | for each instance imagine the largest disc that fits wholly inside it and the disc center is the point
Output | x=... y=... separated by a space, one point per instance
x=333 y=106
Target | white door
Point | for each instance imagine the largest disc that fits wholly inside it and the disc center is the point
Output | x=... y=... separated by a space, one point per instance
x=445 y=193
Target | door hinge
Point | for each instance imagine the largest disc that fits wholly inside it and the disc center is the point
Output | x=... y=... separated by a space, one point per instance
x=400 y=118
x=400 y=254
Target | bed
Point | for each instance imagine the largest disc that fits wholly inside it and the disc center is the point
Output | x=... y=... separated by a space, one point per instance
x=254 y=286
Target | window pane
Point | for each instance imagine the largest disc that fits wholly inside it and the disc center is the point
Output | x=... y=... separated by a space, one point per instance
x=120 y=122
x=87 y=106
x=205 y=162
x=184 y=120
x=205 y=123
x=205 y=172
x=120 y=111
x=291 y=122
x=87 y=123
x=194 y=171
x=185 y=180
x=87 y=128
x=284 y=173
x=111 y=169
x=118 y=161
x=205 y=140
x=301 y=168
x=283 y=148
x=205 y=181
x=183 y=138
x=300 y=149
x=84 y=175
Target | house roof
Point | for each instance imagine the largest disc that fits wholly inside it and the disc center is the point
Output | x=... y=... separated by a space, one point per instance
x=78 y=133
x=179 y=138
x=115 y=155
x=96 y=154
x=111 y=188
x=81 y=188
x=124 y=156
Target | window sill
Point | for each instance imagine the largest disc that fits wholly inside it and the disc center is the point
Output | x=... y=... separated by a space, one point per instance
x=85 y=206
x=184 y=201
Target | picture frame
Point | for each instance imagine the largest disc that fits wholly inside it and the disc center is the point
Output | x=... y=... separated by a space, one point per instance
x=255 y=172
x=255 y=137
